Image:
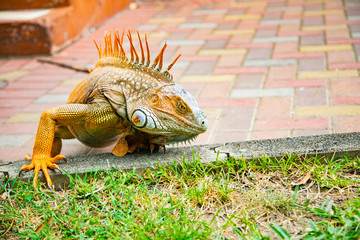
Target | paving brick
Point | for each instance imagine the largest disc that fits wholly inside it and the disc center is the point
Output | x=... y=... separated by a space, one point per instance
x=314 y=21
x=221 y=52
x=266 y=33
x=186 y=50
x=281 y=73
x=286 y=47
x=298 y=33
x=200 y=68
x=343 y=41
x=251 y=4
x=279 y=21
x=322 y=12
x=236 y=118
x=346 y=100
x=215 y=44
x=215 y=90
x=271 y=16
x=337 y=34
x=13 y=65
x=312 y=40
x=53 y=98
x=211 y=113
x=262 y=93
x=249 y=81
x=166 y=20
x=284 y=8
x=221 y=103
x=312 y=132
x=259 y=53
x=207 y=78
x=327 y=74
x=31 y=94
x=347 y=124
x=325 y=48
x=197 y=25
x=312 y=64
x=275 y=39
x=230 y=61
x=239 y=70
x=235 y=45
x=13 y=140
x=310 y=96
x=210 y=11
x=336 y=66
x=18 y=128
x=234 y=32
x=257 y=135
x=8 y=112
x=240 y=39
x=234 y=136
x=269 y=62
x=15 y=103
x=345 y=86
x=324 y=27
x=242 y=17
x=11 y=76
x=291 y=123
x=14 y=153
x=36 y=108
x=184 y=42
x=319 y=111
x=31 y=85
x=295 y=83
x=227 y=25
x=198 y=58
x=24 y=118
x=341 y=57
x=297 y=55
x=335 y=19
x=274 y=107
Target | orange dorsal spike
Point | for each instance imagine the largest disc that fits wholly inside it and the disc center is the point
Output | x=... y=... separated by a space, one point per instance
x=116 y=43
x=132 y=48
x=147 y=52
x=110 y=45
x=172 y=64
x=98 y=48
x=159 y=57
x=142 y=49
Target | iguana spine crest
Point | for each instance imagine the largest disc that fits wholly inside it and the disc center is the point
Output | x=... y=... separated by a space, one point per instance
x=116 y=49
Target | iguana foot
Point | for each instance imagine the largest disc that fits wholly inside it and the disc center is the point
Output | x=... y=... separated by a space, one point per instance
x=41 y=162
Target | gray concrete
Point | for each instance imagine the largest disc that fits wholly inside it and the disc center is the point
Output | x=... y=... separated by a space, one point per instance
x=322 y=145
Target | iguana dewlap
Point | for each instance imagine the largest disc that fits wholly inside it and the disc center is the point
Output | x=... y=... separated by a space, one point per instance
x=122 y=100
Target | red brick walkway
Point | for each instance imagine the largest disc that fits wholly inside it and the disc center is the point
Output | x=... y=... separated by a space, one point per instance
x=259 y=69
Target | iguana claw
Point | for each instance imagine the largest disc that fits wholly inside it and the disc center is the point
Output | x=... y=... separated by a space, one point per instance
x=42 y=163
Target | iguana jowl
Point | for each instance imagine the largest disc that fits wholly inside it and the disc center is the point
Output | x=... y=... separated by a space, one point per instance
x=124 y=100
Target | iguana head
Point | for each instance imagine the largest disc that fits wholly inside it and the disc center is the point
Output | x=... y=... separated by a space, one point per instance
x=168 y=112
x=154 y=104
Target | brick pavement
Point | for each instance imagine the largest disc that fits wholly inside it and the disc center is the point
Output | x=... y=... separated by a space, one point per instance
x=259 y=69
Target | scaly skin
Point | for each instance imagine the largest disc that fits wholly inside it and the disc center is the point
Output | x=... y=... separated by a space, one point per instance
x=122 y=100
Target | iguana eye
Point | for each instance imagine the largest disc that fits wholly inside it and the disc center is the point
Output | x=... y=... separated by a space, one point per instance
x=139 y=118
x=181 y=107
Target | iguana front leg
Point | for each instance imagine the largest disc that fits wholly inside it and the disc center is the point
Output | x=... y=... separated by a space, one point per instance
x=43 y=148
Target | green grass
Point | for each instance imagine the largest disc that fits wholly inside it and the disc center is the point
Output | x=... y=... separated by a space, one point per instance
x=228 y=199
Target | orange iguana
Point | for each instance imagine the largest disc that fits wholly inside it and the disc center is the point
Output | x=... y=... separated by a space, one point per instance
x=122 y=100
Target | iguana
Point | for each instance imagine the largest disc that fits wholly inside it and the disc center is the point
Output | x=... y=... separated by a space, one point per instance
x=122 y=100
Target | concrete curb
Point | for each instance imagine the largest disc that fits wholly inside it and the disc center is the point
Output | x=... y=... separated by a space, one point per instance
x=322 y=145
